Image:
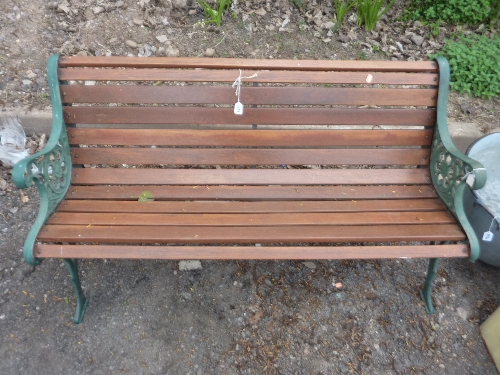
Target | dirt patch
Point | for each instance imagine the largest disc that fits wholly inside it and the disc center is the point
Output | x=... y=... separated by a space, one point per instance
x=148 y=317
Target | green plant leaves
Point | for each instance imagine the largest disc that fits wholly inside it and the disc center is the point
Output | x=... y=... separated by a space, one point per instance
x=146 y=196
x=369 y=12
x=454 y=11
x=474 y=62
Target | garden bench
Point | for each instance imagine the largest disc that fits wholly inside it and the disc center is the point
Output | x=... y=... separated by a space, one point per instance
x=329 y=160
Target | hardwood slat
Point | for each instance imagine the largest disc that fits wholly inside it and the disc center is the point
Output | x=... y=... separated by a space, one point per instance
x=152 y=156
x=249 y=138
x=251 y=95
x=196 y=234
x=119 y=176
x=252 y=219
x=354 y=78
x=252 y=193
x=238 y=63
x=256 y=116
x=250 y=252
x=360 y=206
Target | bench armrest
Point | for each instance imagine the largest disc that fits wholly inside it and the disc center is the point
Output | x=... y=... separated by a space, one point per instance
x=449 y=167
x=49 y=169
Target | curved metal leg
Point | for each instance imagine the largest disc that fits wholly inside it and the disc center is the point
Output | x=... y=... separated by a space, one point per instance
x=81 y=301
x=426 y=292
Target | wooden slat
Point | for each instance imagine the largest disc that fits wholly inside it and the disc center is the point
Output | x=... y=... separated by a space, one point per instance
x=249 y=138
x=119 y=176
x=257 y=116
x=252 y=219
x=251 y=95
x=250 y=252
x=125 y=155
x=237 y=63
x=355 y=78
x=360 y=206
x=252 y=193
x=196 y=234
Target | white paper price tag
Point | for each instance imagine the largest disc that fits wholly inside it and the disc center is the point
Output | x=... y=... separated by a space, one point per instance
x=488 y=236
x=470 y=180
x=238 y=109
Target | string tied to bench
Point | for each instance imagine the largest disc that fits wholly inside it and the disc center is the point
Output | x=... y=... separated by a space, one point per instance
x=238 y=107
x=470 y=176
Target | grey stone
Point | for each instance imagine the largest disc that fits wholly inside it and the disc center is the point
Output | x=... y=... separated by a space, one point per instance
x=138 y=21
x=328 y=25
x=462 y=313
x=309 y=265
x=131 y=43
x=209 y=52
x=171 y=51
x=162 y=38
x=186 y=295
x=190 y=265
x=417 y=39
x=179 y=4
x=97 y=10
x=344 y=39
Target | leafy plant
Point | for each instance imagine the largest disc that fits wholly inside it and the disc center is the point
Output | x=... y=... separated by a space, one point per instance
x=214 y=15
x=474 y=62
x=454 y=11
x=145 y=196
x=495 y=11
x=297 y=3
x=341 y=8
x=369 y=12
x=434 y=28
x=363 y=56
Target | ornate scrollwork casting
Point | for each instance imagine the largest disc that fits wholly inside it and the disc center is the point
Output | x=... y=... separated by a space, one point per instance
x=446 y=171
x=53 y=170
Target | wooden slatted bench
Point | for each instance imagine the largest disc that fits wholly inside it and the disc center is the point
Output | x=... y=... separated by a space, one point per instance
x=330 y=160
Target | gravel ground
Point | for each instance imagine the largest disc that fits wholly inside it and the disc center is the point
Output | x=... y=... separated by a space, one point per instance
x=149 y=317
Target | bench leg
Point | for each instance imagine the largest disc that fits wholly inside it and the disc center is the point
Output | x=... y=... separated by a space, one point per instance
x=81 y=301
x=425 y=293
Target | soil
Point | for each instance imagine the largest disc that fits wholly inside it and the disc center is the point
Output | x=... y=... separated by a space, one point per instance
x=149 y=317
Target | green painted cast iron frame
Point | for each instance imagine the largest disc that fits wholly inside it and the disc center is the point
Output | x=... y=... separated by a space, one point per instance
x=50 y=171
x=449 y=168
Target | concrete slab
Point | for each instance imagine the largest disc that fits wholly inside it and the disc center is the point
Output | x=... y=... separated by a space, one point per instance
x=33 y=122
x=464 y=133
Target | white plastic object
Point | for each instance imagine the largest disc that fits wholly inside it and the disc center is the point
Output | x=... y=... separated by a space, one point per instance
x=12 y=142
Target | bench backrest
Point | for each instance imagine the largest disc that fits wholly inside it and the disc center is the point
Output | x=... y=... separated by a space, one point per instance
x=169 y=112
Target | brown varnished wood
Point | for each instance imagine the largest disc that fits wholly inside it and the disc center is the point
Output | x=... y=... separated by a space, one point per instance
x=154 y=156
x=258 y=116
x=354 y=78
x=262 y=234
x=252 y=219
x=146 y=176
x=199 y=207
x=249 y=138
x=252 y=95
x=250 y=252
x=251 y=193
x=238 y=63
